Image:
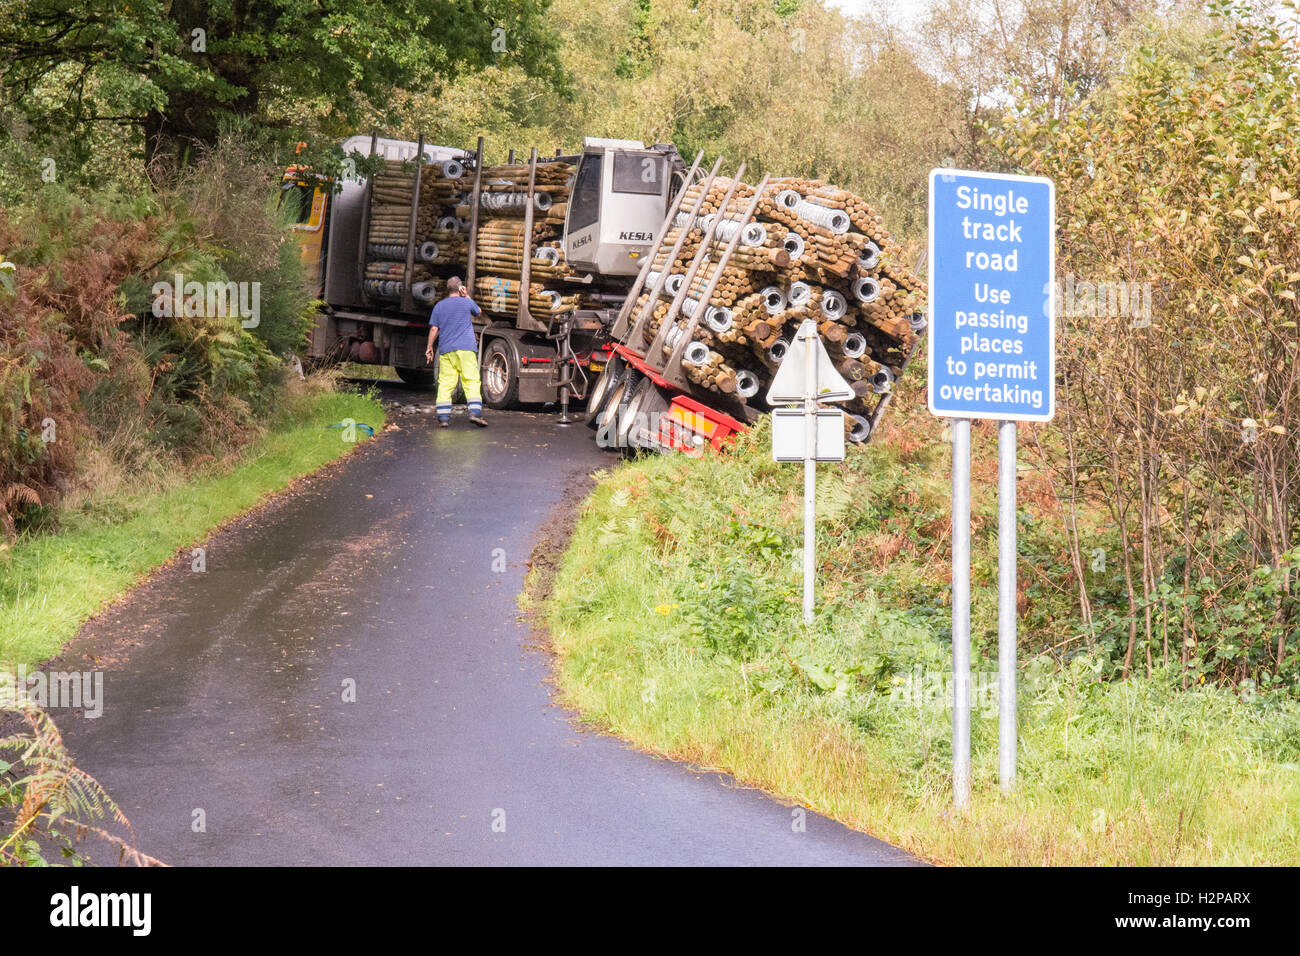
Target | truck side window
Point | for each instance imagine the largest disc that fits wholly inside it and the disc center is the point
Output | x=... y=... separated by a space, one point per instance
x=296 y=198
x=585 y=201
x=639 y=173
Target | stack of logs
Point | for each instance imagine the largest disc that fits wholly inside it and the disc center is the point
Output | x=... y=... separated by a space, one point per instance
x=810 y=250
x=498 y=261
x=441 y=238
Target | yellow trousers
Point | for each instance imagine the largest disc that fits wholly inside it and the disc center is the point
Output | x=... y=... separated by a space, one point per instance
x=453 y=367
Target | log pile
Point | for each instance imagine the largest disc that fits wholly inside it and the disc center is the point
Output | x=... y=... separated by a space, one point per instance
x=441 y=238
x=503 y=202
x=810 y=250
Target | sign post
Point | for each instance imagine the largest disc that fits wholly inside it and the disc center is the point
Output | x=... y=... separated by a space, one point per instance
x=1007 y=604
x=809 y=477
x=812 y=434
x=961 y=612
x=992 y=259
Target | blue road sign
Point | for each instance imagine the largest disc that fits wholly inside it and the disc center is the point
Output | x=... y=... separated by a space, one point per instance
x=992 y=296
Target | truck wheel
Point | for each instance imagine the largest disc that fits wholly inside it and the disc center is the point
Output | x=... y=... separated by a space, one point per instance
x=500 y=375
x=605 y=386
x=609 y=419
x=422 y=378
x=628 y=419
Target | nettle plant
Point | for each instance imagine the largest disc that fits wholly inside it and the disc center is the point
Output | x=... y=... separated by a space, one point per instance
x=1183 y=425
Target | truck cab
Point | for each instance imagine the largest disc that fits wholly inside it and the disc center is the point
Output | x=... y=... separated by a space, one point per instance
x=620 y=193
x=617 y=199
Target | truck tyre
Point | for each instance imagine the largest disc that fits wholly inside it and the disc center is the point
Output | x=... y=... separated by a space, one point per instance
x=628 y=418
x=605 y=387
x=609 y=418
x=500 y=375
x=421 y=378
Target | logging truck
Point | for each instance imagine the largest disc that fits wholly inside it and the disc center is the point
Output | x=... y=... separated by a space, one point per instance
x=661 y=296
x=381 y=246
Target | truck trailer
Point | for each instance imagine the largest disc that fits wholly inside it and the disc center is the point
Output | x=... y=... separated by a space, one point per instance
x=661 y=296
x=549 y=248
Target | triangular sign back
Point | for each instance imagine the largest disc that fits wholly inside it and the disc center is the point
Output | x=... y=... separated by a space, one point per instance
x=788 y=383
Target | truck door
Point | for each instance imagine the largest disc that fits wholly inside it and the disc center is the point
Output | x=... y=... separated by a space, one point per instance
x=584 y=212
x=306 y=201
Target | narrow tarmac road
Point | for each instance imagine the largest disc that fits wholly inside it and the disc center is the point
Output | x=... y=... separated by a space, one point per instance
x=225 y=690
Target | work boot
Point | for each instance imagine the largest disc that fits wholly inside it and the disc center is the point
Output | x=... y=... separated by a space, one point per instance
x=444 y=423
x=478 y=420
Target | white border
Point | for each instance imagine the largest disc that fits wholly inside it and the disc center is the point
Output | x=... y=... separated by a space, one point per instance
x=1051 y=283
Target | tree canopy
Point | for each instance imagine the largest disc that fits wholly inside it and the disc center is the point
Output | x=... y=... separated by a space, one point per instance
x=178 y=69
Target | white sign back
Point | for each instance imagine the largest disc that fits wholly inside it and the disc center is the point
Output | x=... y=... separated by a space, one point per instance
x=790 y=381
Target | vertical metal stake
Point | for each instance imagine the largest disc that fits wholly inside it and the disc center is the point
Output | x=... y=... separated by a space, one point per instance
x=809 y=477
x=960 y=612
x=1007 y=736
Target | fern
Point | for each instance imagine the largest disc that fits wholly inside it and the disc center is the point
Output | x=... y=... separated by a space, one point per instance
x=49 y=795
x=834 y=499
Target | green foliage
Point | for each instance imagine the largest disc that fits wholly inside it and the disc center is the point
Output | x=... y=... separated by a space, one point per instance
x=728 y=609
x=232 y=194
x=175 y=73
x=794 y=89
x=45 y=797
x=1181 y=421
x=707 y=659
x=94 y=370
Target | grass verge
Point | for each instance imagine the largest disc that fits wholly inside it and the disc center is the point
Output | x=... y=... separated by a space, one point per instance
x=51 y=584
x=675 y=618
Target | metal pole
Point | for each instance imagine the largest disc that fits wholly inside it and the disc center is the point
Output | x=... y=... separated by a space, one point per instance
x=657 y=286
x=471 y=262
x=1007 y=736
x=673 y=367
x=526 y=263
x=564 y=418
x=960 y=612
x=809 y=474
x=408 y=277
x=363 y=247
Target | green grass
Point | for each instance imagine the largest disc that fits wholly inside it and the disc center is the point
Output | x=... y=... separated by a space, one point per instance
x=50 y=585
x=675 y=616
x=385 y=373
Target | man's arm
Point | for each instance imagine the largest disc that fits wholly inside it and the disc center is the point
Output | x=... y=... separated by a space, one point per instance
x=428 y=349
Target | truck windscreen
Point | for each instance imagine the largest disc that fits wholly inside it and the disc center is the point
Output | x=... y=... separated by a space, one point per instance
x=638 y=173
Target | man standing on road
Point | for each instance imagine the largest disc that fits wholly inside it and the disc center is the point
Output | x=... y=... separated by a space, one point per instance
x=457 y=351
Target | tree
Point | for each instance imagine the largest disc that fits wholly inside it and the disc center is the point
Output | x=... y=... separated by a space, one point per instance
x=178 y=69
x=791 y=89
x=1054 y=52
x=1182 y=418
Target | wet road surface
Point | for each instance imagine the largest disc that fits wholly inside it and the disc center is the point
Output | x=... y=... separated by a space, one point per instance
x=224 y=690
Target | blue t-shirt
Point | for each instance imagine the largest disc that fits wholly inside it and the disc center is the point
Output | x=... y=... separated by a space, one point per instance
x=454 y=318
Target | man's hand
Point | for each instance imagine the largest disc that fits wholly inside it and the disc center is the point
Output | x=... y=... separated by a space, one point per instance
x=428 y=354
